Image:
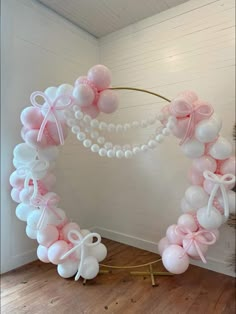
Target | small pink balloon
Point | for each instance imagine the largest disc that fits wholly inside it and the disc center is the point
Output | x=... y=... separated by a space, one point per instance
x=172 y=236
x=195 y=177
x=192 y=250
x=31 y=136
x=228 y=166
x=204 y=163
x=180 y=128
x=92 y=111
x=42 y=253
x=175 y=260
x=68 y=227
x=15 y=195
x=53 y=131
x=187 y=221
x=108 y=101
x=162 y=245
x=48 y=235
x=56 y=251
x=16 y=181
x=31 y=117
x=100 y=76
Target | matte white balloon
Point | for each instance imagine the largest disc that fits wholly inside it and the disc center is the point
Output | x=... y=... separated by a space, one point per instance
x=31 y=233
x=51 y=92
x=193 y=149
x=33 y=218
x=90 y=268
x=207 y=131
x=23 y=211
x=187 y=221
x=196 y=196
x=221 y=149
x=175 y=260
x=24 y=153
x=212 y=221
x=99 y=252
x=67 y=269
x=64 y=89
x=56 y=219
x=185 y=206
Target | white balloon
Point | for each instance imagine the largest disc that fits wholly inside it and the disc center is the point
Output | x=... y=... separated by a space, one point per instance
x=212 y=221
x=193 y=148
x=23 y=211
x=33 y=218
x=51 y=92
x=207 y=130
x=196 y=196
x=64 y=89
x=99 y=252
x=90 y=268
x=17 y=163
x=67 y=269
x=49 y=153
x=54 y=220
x=221 y=149
x=24 y=153
x=185 y=206
x=31 y=233
x=231 y=198
x=26 y=194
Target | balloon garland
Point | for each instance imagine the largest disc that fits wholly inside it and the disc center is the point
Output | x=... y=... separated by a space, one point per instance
x=206 y=204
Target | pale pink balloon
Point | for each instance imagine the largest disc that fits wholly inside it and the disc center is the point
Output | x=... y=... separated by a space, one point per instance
x=228 y=166
x=172 y=236
x=166 y=111
x=108 y=101
x=56 y=251
x=204 y=163
x=195 y=177
x=187 y=221
x=80 y=80
x=53 y=132
x=182 y=103
x=16 y=181
x=180 y=127
x=48 y=235
x=192 y=251
x=175 y=260
x=189 y=95
x=162 y=245
x=42 y=253
x=68 y=227
x=31 y=136
x=15 y=195
x=83 y=95
x=92 y=111
x=100 y=76
x=31 y=117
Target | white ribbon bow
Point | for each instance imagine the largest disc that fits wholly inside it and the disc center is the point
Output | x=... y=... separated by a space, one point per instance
x=77 y=238
x=34 y=171
x=220 y=183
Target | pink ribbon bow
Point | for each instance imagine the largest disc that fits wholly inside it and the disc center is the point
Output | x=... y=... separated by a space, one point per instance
x=46 y=203
x=52 y=109
x=193 y=238
x=79 y=241
x=196 y=114
x=220 y=183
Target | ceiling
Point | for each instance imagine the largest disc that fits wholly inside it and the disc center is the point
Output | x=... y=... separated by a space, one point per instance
x=101 y=17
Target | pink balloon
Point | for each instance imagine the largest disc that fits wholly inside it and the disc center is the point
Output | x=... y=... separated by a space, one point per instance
x=83 y=95
x=162 y=245
x=15 y=195
x=68 y=227
x=180 y=127
x=204 y=163
x=192 y=251
x=48 y=235
x=100 y=76
x=92 y=111
x=228 y=166
x=174 y=259
x=172 y=236
x=80 y=80
x=31 y=117
x=56 y=251
x=52 y=132
x=16 y=181
x=42 y=253
x=31 y=136
x=187 y=221
x=189 y=95
x=195 y=177
x=108 y=101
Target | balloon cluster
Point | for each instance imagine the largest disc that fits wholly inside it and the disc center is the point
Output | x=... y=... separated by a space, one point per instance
x=209 y=200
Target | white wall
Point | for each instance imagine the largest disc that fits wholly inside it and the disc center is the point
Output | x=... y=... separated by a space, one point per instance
x=187 y=47
x=39 y=49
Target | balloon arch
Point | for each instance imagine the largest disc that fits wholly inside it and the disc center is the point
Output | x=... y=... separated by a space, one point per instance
x=206 y=204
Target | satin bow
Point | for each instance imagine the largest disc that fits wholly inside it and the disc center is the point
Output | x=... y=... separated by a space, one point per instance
x=195 y=114
x=193 y=238
x=32 y=172
x=46 y=203
x=220 y=183
x=53 y=107
x=79 y=241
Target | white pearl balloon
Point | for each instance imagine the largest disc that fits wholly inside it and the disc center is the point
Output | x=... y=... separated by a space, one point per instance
x=79 y=115
x=128 y=154
x=196 y=196
x=193 y=148
x=159 y=138
x=207 y=130
x=119 y=154
x=221 y=149
x=87 y=143
x=90 y=268
x=231 y=199
x=24 y=153
x=81 y=136
x=67 y=269
x=110 y=153
x=31 y=233
x=212 y=221
x=152 y=144
x=102 y=152
x=23 y=211
x=95 y=148
x=99 y=252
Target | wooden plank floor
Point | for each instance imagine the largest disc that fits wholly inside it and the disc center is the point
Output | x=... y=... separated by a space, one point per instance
x=36 y=288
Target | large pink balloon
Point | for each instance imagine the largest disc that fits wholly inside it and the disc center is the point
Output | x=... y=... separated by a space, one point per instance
x=187 y=221
x=31 y=136
x=172 y=236
x=31 y=118
x=108 y=101
x=100 y=76
x=204 y=163
x=180 y=127
x=228 y=166
x=162 y=245
x=174 y=259
x=68 y=227
x=195 y=177
x=48 y=235
x=53 y=132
